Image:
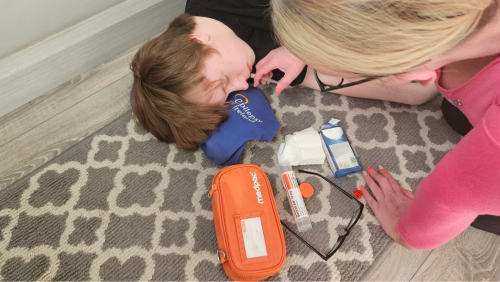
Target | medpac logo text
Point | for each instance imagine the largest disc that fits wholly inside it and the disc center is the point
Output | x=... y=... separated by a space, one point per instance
x=256 y=187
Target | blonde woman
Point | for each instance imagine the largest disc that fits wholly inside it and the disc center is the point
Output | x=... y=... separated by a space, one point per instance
x=454 y=44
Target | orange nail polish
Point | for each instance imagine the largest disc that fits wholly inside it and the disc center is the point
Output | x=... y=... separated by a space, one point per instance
x=362 y=187
x=278 y=91
x=369 y=169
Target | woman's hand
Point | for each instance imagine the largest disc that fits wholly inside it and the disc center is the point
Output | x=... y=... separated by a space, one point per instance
x=390 y=203
x=282 y=59
x=267 y=75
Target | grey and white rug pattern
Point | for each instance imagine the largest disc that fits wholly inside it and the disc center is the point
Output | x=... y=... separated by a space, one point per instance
x=121 y=206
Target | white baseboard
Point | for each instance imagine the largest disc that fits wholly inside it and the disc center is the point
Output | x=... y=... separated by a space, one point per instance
x=42 y=67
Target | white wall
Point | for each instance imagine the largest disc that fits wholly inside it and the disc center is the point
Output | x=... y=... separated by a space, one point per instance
x=33 y=71
x=25 y=22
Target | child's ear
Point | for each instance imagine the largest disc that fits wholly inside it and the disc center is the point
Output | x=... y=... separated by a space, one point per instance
x=424 y=77
x=200 y=37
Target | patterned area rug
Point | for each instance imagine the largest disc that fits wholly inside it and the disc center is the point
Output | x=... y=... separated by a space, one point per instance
x=121 y=206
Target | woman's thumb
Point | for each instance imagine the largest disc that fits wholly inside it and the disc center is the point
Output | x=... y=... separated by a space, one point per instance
x=284 y=82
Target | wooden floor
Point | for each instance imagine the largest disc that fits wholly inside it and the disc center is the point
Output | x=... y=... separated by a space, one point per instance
x=35 y=133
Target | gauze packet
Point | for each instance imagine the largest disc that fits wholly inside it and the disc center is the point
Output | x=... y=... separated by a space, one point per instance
x=339 y=153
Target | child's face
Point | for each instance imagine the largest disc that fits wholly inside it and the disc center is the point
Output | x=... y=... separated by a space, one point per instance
x=232 y=64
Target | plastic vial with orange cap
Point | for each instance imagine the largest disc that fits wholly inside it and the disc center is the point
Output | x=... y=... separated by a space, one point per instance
x=294 y=197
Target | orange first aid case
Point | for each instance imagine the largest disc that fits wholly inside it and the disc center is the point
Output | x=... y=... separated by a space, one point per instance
x=250 y=240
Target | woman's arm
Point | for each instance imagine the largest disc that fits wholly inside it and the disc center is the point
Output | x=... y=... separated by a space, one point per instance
x=463 y=185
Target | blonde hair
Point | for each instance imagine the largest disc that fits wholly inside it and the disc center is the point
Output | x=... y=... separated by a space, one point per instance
x=373 y=37
x=165 y=69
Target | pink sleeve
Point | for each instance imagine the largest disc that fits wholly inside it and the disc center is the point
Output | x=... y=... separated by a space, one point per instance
x=463 y=185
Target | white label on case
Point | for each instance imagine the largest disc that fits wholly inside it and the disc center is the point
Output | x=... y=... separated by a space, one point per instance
x=253 y=237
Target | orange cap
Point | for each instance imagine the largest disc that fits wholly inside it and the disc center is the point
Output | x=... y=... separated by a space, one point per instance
x=306 y=190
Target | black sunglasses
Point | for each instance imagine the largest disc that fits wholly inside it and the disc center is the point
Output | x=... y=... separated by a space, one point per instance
x=325 y=88
x=341 y=238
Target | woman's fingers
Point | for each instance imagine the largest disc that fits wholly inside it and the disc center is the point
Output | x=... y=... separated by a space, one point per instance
x=394 y=184
x=383 y=182
x=407 y=193
x=287 y=79
x=263 y=67
x=377 y=192
x=369 y=199
x=262 y=80
x=268 y=75
x=387 y=183
x=279 y=58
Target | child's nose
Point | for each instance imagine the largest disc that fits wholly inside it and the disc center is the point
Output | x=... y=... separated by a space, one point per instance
x=240 y=83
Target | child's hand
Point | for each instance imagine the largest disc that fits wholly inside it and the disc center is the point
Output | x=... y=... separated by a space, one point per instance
x=279 y=58
x=390 y=203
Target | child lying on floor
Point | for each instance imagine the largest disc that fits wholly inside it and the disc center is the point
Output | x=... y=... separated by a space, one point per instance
x=183 y=77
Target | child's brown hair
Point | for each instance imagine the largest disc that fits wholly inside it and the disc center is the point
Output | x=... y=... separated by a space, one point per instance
x=165 y=69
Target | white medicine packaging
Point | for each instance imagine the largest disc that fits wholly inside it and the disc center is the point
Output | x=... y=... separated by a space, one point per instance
x=339 y=153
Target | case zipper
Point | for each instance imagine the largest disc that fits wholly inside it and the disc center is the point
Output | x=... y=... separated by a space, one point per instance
x=214 y=188
x=215 y=182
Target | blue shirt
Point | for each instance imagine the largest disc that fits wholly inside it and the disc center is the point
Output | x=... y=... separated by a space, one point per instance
x=250 y=118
